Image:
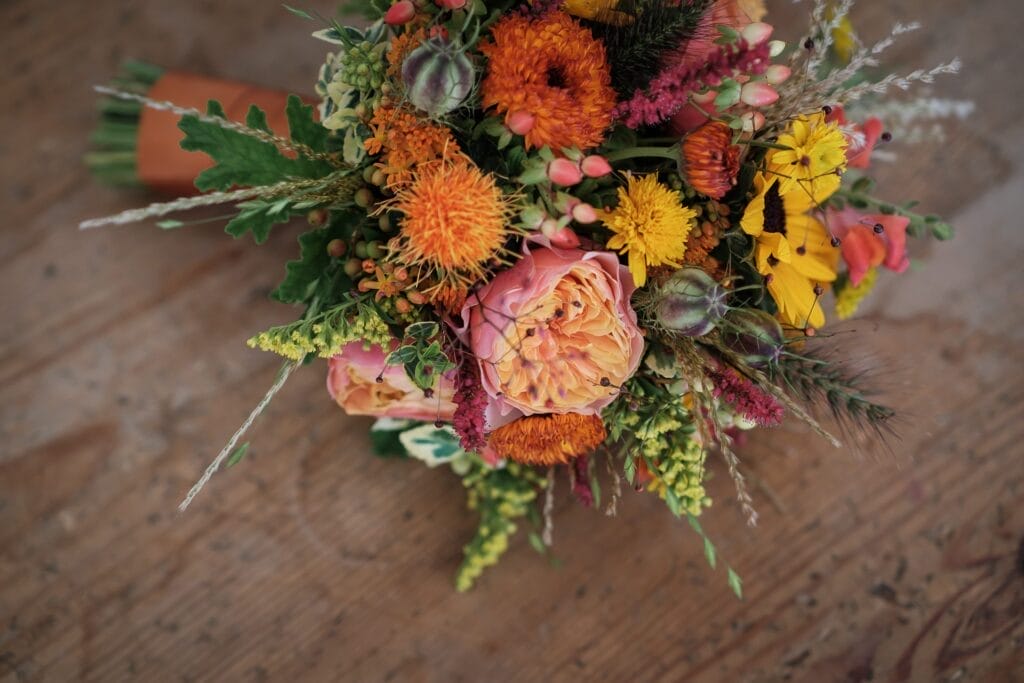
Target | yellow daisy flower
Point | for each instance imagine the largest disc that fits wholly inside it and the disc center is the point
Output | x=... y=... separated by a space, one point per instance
x=815 y=158
x=650 y=225
x=793 y=250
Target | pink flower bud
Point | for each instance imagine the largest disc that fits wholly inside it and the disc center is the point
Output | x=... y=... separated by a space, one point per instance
x=450 y=4
x=777 y=73
x=584 y=213
x=757 y=33
x=564 y=172
x=595 y=166
x=565 y=239
x=401 y=12
x=520 y=122
x=758 y=94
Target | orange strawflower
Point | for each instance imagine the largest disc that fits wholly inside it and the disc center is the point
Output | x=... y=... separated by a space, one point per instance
x=548 y=439
x=553 y=69
x=405 y=139
x=710 y=160
x=455 y=222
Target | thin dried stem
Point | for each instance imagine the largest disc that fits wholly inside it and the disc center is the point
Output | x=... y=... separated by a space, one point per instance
x=282 y=377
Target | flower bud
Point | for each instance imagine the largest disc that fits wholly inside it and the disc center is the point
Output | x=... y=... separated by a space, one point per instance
x=755 y=336
x=564 y=172
x=595 y=166
x=438 y=77
x=758 y=94
x=401 y=12
x=690 y=303
x=520 y=122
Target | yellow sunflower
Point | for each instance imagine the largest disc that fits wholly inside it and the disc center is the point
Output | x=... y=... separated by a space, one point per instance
x=793 y=250
x=650 y=225
x=815 y=159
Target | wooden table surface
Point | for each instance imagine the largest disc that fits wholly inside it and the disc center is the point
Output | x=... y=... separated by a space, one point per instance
x=123 y=370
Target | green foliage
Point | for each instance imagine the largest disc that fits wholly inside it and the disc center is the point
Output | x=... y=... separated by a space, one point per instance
x=711 y=555
x=237 y=455
x=244 y=159
x=315 y=273
x=501 y=496
x=636 y=49
x=423 y=358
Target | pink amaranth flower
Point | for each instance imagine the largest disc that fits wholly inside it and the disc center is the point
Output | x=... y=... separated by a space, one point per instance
x=743 y=395
x=470 y=404
x=669 y=90
x=581 y=481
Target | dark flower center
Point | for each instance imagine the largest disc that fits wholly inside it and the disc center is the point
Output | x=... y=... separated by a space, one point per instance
x=556 y=79
x=774 y=210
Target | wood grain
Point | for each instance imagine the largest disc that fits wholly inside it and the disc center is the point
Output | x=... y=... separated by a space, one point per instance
x=123 y=370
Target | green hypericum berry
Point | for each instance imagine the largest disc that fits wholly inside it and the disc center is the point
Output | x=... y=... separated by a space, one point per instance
x=438 y=77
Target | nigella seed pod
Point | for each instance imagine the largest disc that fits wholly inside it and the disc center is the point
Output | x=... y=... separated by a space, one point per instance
x=755 y=336
x=691 y=303
x=438 y=77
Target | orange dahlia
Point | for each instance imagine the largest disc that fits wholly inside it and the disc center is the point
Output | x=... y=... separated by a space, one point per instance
x=548 y=439
x=710 y=160
x=455 y=221
x=553 y=69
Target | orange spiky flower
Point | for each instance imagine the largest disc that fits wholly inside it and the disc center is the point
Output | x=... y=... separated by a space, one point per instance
x=455 y=222
x=710 y=160
x=553 y=69
x=549 y=439
x=405 y=139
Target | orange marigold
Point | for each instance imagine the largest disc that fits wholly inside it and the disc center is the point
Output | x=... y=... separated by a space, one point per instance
x=405 y=139
x=455 y=221
x=553 y=69
x=548 y=439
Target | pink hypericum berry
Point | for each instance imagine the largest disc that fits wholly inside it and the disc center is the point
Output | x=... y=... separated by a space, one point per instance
x=777 y=73
x=595 y=166
x=584 y=213
x=451 y=4
x=564 y=172
x=753 y=121
x=401 y=12
x=758 y=94
x=520 y=122
x=757 y=33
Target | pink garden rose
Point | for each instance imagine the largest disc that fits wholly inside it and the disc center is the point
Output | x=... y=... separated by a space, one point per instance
x=352 y=382
x=863 y=248
x=553 y=334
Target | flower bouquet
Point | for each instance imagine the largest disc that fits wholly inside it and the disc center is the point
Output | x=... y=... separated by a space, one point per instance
x=591 y=239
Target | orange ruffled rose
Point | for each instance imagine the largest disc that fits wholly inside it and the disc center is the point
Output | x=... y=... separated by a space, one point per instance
x=352 y=382
x=553 y=334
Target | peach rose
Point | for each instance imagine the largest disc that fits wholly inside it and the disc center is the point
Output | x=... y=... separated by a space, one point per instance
x=553 y=334
x=352 y=382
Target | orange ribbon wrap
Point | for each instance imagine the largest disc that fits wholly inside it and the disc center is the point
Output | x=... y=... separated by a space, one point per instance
x=161 y=162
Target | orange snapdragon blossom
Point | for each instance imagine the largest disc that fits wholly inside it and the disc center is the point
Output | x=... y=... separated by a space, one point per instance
x=553 y=334
x=554 y=70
